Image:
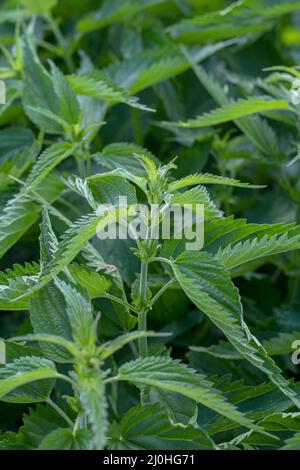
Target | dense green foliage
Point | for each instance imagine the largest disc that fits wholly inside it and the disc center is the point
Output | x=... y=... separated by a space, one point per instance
x=116 y=344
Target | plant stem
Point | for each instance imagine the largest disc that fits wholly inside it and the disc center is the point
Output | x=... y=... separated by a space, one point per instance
x=88 y=163
x=143 y=344
x=120 y=301
x=134 y=349
x=143 y=282
x=60 y=411
x=161 y=260
x=142 y=320
x=161 y=291
x=111 y=380
x=81 y=167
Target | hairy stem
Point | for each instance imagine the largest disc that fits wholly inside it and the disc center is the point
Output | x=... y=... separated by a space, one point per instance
x=143 y=344
x=120 y=301
x=161 y=291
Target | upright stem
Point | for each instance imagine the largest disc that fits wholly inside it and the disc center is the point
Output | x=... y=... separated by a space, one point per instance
x=143 y=344
x=142 y=319
x=143 y=282
x=60 y=411
x=144 y=305
x=81 y=166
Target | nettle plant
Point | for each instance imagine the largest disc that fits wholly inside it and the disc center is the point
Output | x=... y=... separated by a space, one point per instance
x=60 y=295
x=84 y=358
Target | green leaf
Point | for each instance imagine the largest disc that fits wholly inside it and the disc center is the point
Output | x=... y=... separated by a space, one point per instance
x=180 y=409
x=37 y=424
x=148 y=428
x=20 y=213
x=80 y=314
x=282 y=422
x=41 y=113
x=27 y=380
x=197 y=195
x=14 y=283
x=207 y=178
x=171 y=375
x=13 y=94
x=80 y=186
x=224 y=231
x=97 y=85
x=236 y=20
x=108 y=187
x=48 y=240
x=16 y=166
x=93 y=400
x=68 y=104
x=157 y=64
x=256 y=129
x=121 y=155
x=256 y=402
x=117 y=317
x=13 y=140
x=108 y=349
x=48 y=160
x=66 y=439
x=39 y=91
x=113 y=11
x=277 y=345
x=95 y=284
x=74 y=240
x=48 y=315
x=47 y=306
x=233 y=110
x=12 y=350
x=52 y=339
x=206 y=282
x=114 y=178
x=293 y=443
x=243 y=252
